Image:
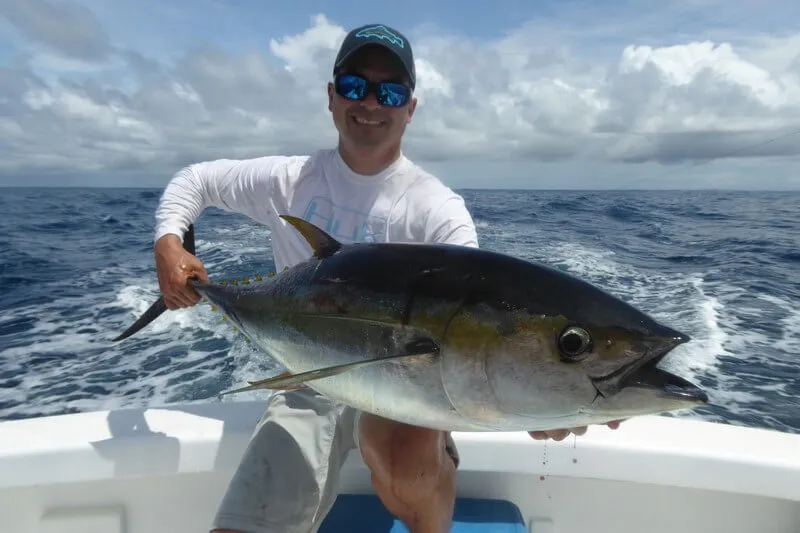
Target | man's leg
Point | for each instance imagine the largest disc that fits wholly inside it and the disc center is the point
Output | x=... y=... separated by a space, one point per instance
x=288 y=477
x=413 y=471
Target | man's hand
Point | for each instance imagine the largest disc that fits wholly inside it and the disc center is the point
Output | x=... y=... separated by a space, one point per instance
x=561 y=434
x=175 y=266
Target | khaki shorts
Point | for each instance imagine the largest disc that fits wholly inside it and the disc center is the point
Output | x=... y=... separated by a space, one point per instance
x=288 y=478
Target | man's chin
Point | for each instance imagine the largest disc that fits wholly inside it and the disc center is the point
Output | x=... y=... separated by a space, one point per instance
x=368 y=138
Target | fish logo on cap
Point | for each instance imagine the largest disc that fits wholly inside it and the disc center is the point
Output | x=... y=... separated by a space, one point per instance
x=381 y=32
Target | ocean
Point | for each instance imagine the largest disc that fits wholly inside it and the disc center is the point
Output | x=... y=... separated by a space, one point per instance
x=76 y=268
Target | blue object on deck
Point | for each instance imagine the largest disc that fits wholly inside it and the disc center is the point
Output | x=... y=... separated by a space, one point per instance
x=364 y=513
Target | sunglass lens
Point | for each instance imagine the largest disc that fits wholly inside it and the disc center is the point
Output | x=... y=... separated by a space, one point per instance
x=393 y=94
x=351 y=87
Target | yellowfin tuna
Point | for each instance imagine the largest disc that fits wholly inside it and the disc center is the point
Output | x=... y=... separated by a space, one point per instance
x=453 y=338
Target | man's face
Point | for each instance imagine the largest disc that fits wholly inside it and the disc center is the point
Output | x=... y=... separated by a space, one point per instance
x=366 y=123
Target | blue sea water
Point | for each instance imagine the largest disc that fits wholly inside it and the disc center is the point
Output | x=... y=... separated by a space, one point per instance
x=76 y=268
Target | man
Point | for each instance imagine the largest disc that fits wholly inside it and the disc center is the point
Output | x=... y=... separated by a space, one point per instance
x=363 y=190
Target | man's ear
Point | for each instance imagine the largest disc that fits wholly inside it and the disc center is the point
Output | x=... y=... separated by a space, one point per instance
x=330 y=96
x=412 y=106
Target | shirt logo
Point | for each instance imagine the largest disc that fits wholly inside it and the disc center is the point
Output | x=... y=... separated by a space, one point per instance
x=343 y=223
x=381 y=32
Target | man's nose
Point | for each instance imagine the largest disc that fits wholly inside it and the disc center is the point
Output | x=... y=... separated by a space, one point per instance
x=371 y=102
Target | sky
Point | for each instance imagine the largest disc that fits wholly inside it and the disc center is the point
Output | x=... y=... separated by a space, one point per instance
x=567 y=94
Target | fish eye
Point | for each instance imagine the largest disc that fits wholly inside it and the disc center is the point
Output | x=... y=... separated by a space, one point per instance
x=573 y=343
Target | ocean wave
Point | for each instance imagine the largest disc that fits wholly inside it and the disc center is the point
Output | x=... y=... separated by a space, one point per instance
x=77 y=268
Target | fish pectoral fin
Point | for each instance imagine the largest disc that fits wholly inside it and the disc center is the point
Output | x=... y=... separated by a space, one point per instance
x=345 y=318
x=414 y=349
x=283 y=381
x=283 y=376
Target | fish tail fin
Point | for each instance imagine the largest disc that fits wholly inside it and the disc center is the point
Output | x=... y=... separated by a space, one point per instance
x=153 y=312
x=159 y=306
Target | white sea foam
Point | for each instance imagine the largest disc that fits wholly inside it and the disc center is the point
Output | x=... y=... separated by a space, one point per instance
x=66 y=361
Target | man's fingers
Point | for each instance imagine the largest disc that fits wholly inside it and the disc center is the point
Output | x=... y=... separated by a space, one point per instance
x=186 y=299
x=172 y=303
x=176 y=301
x=557 y=434
x=561 y=434
x=201 y=272
x=182 y=294
x=180 y=297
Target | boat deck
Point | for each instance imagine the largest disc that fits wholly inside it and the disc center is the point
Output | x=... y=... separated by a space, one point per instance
x=165 y=469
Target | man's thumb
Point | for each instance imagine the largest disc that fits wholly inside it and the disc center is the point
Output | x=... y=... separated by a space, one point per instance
x=201 y=272
x=194 y=269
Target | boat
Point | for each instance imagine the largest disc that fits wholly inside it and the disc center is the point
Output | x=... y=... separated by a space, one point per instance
x=164 y=469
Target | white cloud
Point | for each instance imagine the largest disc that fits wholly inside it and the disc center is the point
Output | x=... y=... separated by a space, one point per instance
x=523 y=99
x=311 y=49
x=68 y=28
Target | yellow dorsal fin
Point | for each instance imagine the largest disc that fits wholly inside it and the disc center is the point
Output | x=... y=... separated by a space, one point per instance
x=323 y=244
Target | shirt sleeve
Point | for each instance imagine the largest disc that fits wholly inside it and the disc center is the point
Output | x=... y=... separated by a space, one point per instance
x=243 y=186
x=451 y=223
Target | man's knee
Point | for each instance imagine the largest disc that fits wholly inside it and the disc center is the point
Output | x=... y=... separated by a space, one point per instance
x=412 y=471
x=390 y=444
x=398 y=453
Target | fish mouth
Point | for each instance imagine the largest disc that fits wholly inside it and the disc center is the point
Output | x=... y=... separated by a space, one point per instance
x=665 y=384
x=645 y=374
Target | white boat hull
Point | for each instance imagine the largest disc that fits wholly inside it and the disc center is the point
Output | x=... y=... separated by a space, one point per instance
x=165 y=469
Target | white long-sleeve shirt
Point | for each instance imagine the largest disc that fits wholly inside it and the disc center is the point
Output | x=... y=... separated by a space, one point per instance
x=403 y=203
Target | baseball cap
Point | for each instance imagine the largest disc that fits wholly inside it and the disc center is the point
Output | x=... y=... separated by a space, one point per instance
x=381 y=35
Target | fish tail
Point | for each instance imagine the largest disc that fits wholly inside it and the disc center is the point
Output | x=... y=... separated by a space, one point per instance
x=159 y=306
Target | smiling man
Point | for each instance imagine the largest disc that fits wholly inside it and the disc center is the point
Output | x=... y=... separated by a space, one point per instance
x=365 y=189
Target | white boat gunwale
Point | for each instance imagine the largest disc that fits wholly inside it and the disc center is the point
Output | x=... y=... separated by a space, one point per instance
x=175 y=441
